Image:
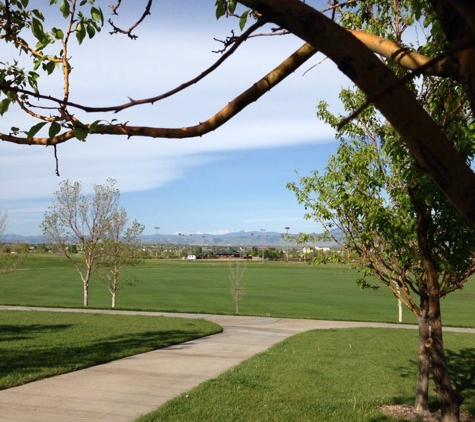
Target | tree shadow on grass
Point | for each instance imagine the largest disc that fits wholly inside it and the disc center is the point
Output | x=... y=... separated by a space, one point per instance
x=24 y=332
x=21 y=365
x=462 y=374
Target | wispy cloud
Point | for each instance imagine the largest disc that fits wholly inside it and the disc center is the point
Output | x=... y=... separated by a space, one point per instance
x=107 y=70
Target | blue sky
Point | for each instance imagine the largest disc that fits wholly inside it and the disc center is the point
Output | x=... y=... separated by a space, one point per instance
x=232 y=179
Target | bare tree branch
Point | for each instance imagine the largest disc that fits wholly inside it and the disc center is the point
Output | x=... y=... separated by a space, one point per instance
x=252 y=94
x=151 y=100
x=128 y=32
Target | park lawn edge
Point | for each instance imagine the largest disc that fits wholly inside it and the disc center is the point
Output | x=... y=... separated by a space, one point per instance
x=36 y=344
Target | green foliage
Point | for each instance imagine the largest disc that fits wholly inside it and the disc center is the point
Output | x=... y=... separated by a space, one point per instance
x=373 y=192
x=228 y=8
x=119 y=250
x=19 y=20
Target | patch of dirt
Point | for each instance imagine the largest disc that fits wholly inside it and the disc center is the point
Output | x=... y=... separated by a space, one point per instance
x=407 y=412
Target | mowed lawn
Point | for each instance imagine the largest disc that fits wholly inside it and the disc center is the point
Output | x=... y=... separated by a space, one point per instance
x=324 y=375
x=296 y=290
x=35 y=345
x=343 y=375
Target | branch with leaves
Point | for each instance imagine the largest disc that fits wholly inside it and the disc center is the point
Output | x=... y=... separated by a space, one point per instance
x=353 y=52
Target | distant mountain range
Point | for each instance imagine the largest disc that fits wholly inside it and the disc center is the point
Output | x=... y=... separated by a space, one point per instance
x=241 y=238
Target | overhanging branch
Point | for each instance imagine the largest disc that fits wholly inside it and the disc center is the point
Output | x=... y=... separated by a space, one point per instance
x=428 y=144
x=252 y=94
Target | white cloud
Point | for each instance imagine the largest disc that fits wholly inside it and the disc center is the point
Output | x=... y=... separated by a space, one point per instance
x=167 y=53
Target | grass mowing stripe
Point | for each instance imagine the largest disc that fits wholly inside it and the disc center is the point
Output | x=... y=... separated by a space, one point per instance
x=36 y=345
x=319 y=376
x=295 y=290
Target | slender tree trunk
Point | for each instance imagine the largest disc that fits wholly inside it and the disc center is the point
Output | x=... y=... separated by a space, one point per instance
x=399 y=305
x=421 y=405
x=86 y=293
x=85 y=280
x=115 y=287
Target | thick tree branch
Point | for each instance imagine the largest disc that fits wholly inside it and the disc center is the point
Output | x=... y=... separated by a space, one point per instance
x=403 y=56
x=430 y=147
x=252 y=94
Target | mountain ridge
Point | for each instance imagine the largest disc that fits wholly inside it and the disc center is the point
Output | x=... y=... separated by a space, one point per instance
x=239 y=238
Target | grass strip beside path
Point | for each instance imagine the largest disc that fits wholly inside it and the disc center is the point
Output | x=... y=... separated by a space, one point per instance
x=36 y=345
x=325 y=375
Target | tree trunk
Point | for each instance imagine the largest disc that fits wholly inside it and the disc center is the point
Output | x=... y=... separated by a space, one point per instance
x=399 y=305
x=449 y=399
x=115 y=287
x=421 y=405
x=86 y=294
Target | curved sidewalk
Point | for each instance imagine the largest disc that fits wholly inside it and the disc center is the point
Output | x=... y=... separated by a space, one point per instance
x=124 y=389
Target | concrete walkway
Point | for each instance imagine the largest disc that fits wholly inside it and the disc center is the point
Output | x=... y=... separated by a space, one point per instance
x=127 y=388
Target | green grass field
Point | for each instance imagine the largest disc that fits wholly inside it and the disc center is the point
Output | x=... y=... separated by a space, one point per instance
x=295 y=290
x=335 y=375
x=322 y=376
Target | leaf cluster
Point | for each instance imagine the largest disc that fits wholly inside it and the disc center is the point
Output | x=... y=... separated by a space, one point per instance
x=19 y=23
x=373 y=192
x=228 y=8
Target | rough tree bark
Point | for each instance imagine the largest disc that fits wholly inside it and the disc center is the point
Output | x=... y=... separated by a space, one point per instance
x=449 y=399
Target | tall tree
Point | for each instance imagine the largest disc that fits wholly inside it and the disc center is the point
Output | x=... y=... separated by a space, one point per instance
x=451 y=21
x=77 y=218
x=403 y=230
x=119 y=250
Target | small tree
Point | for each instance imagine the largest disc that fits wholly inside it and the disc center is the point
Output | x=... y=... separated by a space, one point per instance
x=9 y=259
x=119 y=251
x=236 y=277
x=81 y=219
x=3 y=223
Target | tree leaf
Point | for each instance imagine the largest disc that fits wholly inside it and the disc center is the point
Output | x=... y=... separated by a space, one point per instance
x=97 y=15
x=38 y=13
x=4 y=104
x=243 y=19
x=35 y=129
x=57 y=33
x=81 y=133
x=54 y=129
x=65 y=9
x=49 y=67
x=232 y=6
x=80 y=32
x=37 y=30
x=220 y=8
